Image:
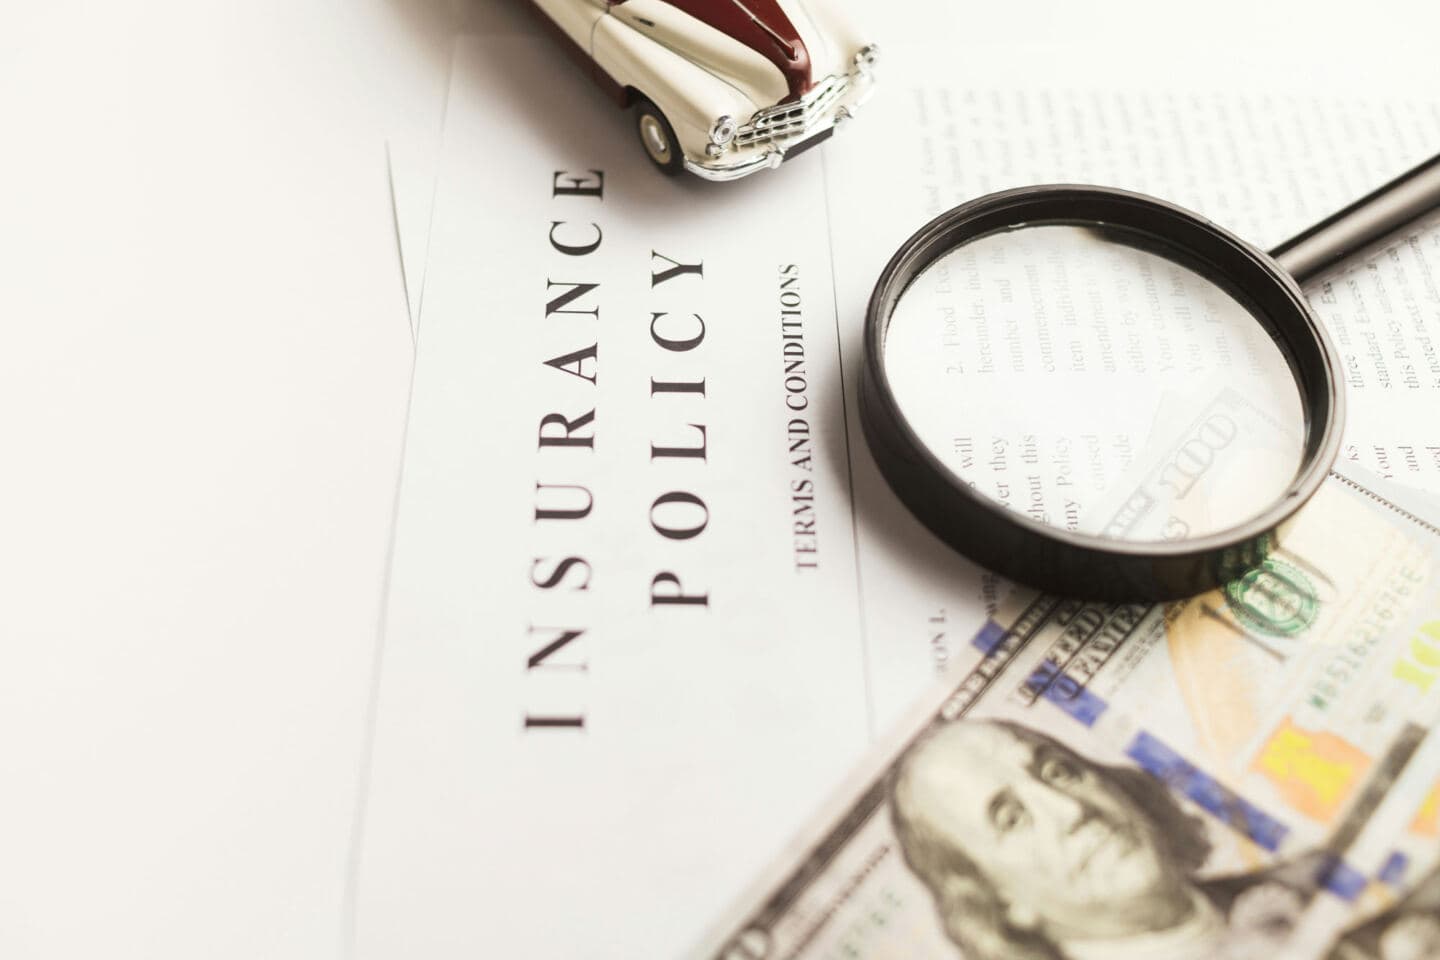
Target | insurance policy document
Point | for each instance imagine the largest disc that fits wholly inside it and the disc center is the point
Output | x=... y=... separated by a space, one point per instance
x=650 y=598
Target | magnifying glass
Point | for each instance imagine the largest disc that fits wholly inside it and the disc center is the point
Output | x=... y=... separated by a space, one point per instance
x=1104 y=395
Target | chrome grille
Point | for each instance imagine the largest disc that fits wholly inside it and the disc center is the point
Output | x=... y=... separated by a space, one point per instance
x=788 y=119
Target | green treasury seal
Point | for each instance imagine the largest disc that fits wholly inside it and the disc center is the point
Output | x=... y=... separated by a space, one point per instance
x=1275 y=598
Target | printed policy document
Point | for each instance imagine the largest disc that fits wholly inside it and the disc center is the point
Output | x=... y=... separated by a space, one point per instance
x=650 y=598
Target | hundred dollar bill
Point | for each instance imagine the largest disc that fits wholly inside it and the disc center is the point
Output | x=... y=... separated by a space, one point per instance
x=1398 y=913
x=1177 y=780
x=1209 y=462
x=1400 y=917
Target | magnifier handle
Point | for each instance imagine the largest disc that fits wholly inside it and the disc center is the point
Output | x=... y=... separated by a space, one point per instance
x=1374 y=215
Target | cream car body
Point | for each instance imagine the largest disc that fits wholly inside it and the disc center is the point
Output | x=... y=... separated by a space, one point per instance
x=740 y=84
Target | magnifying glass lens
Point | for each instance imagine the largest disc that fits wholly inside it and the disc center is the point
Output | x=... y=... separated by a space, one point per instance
x=1081 y=376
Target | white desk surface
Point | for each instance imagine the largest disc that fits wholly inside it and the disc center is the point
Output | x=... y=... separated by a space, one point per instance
x=204 y=367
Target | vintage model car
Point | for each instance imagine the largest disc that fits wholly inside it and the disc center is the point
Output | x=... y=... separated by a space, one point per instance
x=721 y=88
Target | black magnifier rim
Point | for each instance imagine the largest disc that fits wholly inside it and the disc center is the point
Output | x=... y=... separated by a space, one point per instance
x=1052 y=558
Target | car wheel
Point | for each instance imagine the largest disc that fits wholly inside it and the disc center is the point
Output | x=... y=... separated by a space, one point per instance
x=658 y=138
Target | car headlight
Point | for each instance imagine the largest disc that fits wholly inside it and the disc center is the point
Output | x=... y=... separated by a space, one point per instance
x=867 y=57
x=722 y=131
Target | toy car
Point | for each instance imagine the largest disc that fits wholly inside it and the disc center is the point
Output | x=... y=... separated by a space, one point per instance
x=721 y=88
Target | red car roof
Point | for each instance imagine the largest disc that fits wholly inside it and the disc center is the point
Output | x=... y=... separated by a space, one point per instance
x=763 y=27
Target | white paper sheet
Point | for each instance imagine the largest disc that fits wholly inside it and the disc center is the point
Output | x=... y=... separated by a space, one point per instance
x=1261 y=157
x=654 y=709
x=683 y=742
x=401 y=49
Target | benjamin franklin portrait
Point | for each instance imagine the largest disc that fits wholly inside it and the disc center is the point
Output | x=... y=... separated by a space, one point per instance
x=1032 y=851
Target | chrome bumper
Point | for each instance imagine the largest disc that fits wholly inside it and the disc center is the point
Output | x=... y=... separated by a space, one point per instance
x=720 y=172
